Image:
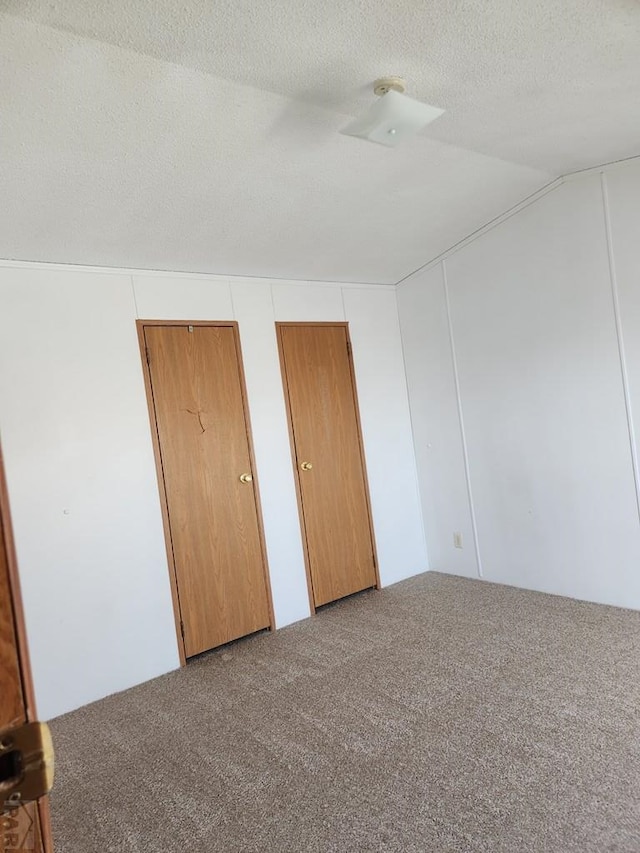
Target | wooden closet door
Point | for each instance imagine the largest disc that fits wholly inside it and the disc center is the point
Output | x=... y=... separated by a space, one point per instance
x=214 y=520
x=26 y=827
x=325 y=431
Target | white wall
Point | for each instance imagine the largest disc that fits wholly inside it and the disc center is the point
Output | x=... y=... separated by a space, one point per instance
x=515 y=358
x=436 y=424
x=82 y=483
x=75 y=435
x=386 y=428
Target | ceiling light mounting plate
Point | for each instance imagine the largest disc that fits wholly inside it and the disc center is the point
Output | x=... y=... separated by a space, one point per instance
x=389 y=84
x=393 y=116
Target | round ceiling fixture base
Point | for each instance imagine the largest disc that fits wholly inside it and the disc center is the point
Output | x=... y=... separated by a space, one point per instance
x=386 y=84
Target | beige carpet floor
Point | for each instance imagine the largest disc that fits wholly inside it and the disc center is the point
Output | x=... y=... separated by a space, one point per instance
x=440 y=714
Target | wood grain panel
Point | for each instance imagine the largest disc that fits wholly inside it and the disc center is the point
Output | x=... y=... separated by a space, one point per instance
x=325 y=430
x=213 y=517
x=21 y=829
x=12 y=709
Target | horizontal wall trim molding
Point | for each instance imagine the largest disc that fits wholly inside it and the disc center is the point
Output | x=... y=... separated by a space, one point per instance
x=488 y=226
x=603 y=167
x=18 y=263
x=512 y=211
x=9 y=263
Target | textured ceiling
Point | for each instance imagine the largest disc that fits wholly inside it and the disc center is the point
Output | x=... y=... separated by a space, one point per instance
x=204 y=136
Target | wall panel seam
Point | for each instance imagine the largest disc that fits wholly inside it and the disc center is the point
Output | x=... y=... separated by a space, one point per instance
x=135 y=299
x=463 y=434
x=613 y=281
x=233 y=307
x=413 y=436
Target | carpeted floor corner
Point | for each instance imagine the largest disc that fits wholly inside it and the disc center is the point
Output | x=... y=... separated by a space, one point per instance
x=440 y=714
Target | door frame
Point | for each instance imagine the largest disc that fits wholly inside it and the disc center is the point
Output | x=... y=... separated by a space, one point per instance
x=24 y=661
x=294 y=461
x=146 y=370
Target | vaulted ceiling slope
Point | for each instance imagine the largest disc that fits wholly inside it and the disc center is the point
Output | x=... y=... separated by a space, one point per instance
x=200 y=136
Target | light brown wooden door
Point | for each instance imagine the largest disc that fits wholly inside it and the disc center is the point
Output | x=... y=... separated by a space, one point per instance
x=211 y=497
x=27 y=827
x=329 y=460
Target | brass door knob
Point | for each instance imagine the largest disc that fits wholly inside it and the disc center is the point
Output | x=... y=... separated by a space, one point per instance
x=306 y=466
x=246 y=478
x=26 y=765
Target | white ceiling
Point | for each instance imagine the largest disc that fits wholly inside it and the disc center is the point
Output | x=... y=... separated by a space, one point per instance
x=204 y=136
